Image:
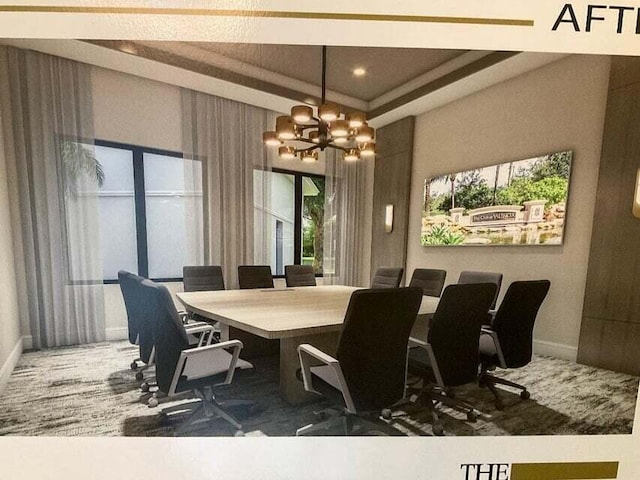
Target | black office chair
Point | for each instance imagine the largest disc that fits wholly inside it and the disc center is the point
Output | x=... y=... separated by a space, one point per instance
x=202 y=278
x=387 y=277
x=508 y=343
x=139 y=329
x=299 y=276
x=449 y=357
x=430 y=280
x=483 y=277
x=368 y=374
x=255 y=276
x=182 y=369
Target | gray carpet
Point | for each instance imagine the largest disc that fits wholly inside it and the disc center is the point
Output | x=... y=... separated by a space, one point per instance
x=89 y=391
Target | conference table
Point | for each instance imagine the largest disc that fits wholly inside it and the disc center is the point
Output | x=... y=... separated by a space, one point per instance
x=291 y=315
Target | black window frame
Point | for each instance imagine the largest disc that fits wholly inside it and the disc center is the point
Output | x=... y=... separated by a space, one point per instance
x=140 y=208
x=297 y=212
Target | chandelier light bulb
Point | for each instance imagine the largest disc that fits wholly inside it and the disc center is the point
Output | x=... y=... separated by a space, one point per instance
x=339 y=128
x=287 y=153
x=340 y=140
x=309 y=157
x=356 y=119
x=329 y=112
x=302 y=114
x=271 y=139
x=314 y=136
x=364 y=134
x=285 y=128
x=368 y=149
x=351 y=155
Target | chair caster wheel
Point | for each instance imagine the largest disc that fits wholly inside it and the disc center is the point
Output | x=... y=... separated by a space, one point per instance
x=134 y=366
x=525 y=395
x=472 y=416
x=386 y=414
x=438 y=430
x=152 y=402
x=139 y=376
x=144 y=387
x=499 y=405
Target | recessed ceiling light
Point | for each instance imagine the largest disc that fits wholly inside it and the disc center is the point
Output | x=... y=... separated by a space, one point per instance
x=359 y=72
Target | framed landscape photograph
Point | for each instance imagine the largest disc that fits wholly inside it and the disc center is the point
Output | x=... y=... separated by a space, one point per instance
x=515 y=203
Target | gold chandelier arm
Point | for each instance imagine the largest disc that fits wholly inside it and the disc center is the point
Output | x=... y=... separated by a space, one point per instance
x=306 y=140
x=308 y=149
x=306 y=126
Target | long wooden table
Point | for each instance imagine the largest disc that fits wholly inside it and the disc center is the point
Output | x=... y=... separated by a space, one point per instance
x=293 y=315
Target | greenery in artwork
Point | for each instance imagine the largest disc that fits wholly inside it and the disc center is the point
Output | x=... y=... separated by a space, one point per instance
x=544 y=180
x=441 y=235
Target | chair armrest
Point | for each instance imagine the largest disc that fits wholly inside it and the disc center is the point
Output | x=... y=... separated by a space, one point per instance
x=198 y=327
x=496 y=344
x=305 y=352
x=201 y=356
x=317 y=354
x=416 y=342
x=205 y=329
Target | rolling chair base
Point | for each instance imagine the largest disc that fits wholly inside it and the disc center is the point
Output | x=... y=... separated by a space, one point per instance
x=490 y=381
x=348 y=424
x=140 y=369
x=429 y=398
x=205 y=410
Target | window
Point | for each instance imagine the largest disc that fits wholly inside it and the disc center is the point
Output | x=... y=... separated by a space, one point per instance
x=150 y=211
x=288 y=219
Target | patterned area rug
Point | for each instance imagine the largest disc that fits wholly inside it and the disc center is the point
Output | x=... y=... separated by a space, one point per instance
x=90 y=391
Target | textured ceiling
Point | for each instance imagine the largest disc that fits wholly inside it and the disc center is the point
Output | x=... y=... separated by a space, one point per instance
x=387 y=68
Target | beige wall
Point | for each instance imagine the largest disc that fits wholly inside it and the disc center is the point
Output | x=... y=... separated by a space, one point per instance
x=560 y=106
x=10 y=345
x=136 y=111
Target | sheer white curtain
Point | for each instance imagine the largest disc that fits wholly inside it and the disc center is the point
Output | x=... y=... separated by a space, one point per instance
x=46 y=105
x=226 y=136
x=345 y=222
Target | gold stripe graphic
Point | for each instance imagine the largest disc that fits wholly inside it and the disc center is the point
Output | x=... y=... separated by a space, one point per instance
x=564 y=471
x=265 y=14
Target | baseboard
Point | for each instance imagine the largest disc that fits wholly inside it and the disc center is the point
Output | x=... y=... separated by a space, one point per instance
x=112 y=334
x=10 y=363
x=117 y=333
x=559 y=350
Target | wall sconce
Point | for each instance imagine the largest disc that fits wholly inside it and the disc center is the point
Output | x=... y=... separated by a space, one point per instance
x=636 y=197
x=388 y=219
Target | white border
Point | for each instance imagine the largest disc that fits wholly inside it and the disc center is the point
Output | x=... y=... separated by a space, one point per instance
x=322 y=458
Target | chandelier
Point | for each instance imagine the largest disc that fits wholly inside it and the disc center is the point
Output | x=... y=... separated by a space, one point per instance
x=327 y=128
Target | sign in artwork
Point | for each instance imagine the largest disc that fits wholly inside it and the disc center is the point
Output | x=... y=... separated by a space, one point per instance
x=493 y=217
